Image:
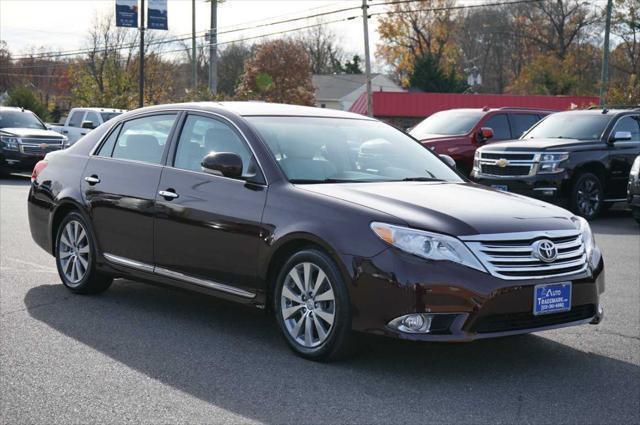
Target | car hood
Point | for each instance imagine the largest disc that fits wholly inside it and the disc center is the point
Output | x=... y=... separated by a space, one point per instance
x=30 y=132
x=537 y=144
x=452 y=208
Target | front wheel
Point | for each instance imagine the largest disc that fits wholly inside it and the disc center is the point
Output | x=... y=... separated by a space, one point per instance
x=587 y=196
x=75 y=257
x=312 y=306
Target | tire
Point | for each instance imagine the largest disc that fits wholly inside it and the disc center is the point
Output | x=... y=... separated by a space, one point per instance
x=587 y=196
x=304 y=321
x=75 y=254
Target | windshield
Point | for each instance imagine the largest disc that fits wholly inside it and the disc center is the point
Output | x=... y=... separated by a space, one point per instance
x=570 y=126
x=106 y=116
x=447 y=123
x=20 y=119
x=335 y=150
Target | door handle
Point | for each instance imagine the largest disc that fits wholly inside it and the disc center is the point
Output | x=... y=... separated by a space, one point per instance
x=92 y=180
x=168 y=194
x=65 y=132
x=83 y=134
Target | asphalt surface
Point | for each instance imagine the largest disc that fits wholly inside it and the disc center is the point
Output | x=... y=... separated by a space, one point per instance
x=145 y=354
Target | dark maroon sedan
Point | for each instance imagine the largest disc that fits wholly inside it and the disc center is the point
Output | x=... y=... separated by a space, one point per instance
x=333 y=221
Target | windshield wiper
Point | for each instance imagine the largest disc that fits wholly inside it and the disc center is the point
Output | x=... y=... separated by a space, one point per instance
x=313 y=181
x=421 y=179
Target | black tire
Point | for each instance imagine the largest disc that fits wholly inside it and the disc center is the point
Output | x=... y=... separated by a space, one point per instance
x=91 y=281
x=587 y=196
x=339 y=341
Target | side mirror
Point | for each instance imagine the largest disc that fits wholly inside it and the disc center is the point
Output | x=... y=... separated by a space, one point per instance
x=484 y=134
x=225 y=164
x=88 y=124
x=448 y=160
x=620 y=136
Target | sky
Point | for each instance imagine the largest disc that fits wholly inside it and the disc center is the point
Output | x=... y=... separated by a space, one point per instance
x=61 y=24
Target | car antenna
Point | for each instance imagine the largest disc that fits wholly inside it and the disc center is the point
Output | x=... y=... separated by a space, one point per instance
x=605 y=110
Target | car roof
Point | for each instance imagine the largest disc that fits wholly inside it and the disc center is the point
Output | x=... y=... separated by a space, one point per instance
x=501 y=109
x=98 y=109
x=253 y=108
x=606 y=112
x=13 y=108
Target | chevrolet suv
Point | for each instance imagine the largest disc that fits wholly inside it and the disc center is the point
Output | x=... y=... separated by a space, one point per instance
x=578 y=159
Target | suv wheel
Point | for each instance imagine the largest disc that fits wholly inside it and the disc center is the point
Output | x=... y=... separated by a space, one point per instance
x=75 y=257
x=587 y=196
x=312 y=306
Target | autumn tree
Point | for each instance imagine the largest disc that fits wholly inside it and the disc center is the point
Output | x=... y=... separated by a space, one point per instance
x=279 y=71
x=413 y=29
x=231 y=66
x=624 y=87
x=428 y=76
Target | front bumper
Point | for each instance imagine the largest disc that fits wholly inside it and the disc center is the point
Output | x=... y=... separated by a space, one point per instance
x=21 y=161
x=554 y=188
x=476 y=304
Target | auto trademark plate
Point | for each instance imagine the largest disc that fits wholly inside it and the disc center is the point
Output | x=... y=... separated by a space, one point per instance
x=551 y=298
x=500 y=187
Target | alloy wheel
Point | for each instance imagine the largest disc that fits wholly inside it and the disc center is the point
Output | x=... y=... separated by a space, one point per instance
x=73 y=252
x=308 y=305
x=588 y=197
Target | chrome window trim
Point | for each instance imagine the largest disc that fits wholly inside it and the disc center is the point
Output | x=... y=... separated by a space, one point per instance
x=178 y=276
x=141 y=114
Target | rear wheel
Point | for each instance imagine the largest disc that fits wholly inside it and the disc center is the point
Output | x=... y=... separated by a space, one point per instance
x=587 y=196
x=75 y=257
x=312 y=306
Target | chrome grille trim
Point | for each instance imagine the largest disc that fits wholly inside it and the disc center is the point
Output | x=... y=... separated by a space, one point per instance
x=40 y=140
x=532 y=163
x=510 y=256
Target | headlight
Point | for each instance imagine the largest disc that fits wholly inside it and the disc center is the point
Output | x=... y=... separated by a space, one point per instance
x=635 y=168
x=65 y=142
x=550 y=162
x=432 y=246
x=590 y=247
x=10 y=143
x=476 y=160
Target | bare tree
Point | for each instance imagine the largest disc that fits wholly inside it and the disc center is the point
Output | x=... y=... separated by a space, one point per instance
x=323 y=49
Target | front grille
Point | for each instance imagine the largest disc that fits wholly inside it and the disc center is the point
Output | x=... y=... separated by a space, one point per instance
x=511 y=256
x=509 y=170
x=508 y=164
x=37 y=150
x=41 y=140
x=527 y=320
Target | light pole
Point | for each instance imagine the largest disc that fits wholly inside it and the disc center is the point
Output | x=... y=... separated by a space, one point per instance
x=142 y=28
x=194 y=59
x=604 y=78
x=367 y=58
x=213 y=49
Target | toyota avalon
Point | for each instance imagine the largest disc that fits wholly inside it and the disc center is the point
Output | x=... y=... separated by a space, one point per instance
x=332 y=221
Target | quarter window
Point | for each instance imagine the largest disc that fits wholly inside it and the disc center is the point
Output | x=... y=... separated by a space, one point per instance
x=631 y=124
x=201 y=136
x=500 y=126
x=144 y=139
x=76 y=119
x=107 y=147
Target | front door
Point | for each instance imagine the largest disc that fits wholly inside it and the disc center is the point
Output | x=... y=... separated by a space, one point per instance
x=622 y=155
x=208 y=228
x=120 y=183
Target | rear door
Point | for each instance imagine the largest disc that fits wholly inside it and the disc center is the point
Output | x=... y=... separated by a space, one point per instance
x=208 y=231
x=120 y=183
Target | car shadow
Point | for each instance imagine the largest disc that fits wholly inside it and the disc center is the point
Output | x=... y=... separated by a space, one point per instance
x=617 y=221
x=15 y=180
x=234 y=358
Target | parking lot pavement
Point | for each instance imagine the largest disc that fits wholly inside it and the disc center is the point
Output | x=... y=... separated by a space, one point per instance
x=140 y=353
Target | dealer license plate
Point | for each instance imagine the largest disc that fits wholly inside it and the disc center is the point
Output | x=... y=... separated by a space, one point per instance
x=552 y=298
x=502 y=187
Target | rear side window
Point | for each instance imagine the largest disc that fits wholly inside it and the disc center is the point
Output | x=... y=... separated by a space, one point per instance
x=107 y=147
x=500 y=126
x=520 y=123
x=144 y=139
x=76 y=119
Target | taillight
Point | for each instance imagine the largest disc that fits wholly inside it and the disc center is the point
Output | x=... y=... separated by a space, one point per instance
x=40 y=165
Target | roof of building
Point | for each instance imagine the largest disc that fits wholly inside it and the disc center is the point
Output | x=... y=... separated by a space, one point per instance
x=411 y=104
x=336 y=86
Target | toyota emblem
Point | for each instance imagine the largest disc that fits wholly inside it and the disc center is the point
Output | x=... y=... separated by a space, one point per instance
x=545 y=250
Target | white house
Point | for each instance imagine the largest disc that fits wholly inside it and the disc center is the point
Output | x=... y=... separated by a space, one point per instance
x=339 y=91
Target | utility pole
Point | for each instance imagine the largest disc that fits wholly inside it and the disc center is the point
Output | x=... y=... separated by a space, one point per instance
x=141 y=85
x=213 y=49
x=367 y=57
x=194 y=58
x=604 y=78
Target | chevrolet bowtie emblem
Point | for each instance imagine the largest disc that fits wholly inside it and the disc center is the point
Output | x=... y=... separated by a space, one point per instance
x=502 y=163
x=43 y=146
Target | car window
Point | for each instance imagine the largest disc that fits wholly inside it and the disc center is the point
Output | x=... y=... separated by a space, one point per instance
x=500 y=126
x=201 y=136
x=76 y=119
x=447 y=123
x=93 y=117
x=106 y=116
x=107 y=147
x=630 y=123
x=570 y=125
x=520 y=123
x=143 y=139
x=20 y=119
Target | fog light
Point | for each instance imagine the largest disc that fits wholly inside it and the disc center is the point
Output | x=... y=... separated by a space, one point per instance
x=412 y=323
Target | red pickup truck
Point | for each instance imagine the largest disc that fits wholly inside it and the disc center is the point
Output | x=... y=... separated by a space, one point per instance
x=459 y=132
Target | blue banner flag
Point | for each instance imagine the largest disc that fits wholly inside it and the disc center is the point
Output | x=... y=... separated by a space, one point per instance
x=157 y=15
x=127 y=13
